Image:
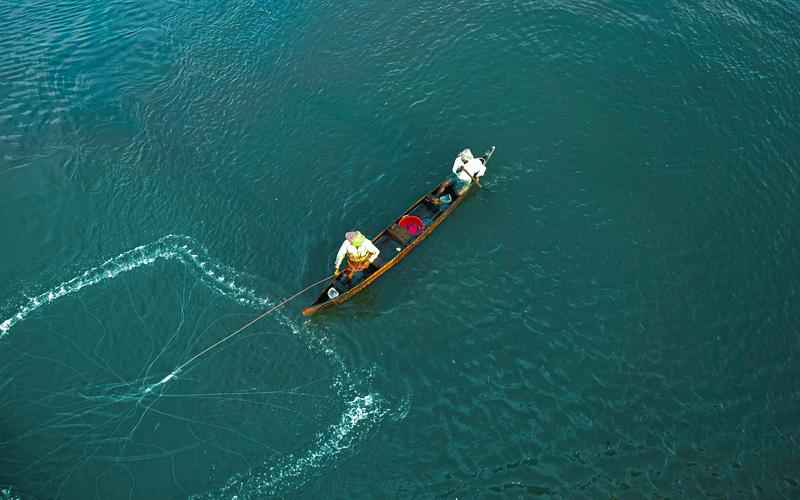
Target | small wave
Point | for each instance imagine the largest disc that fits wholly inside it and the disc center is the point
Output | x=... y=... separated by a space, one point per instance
x=7 y=494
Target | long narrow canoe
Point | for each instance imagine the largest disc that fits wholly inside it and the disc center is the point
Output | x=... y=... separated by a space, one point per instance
x=395 y=243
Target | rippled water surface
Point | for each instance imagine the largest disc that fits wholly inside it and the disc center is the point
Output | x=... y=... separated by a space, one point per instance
x=614 y=315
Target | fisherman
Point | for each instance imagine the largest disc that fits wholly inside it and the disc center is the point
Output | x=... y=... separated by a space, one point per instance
x=360 y=251
x=466 y=168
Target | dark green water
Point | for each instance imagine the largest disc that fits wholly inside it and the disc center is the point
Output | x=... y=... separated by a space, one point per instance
x=613 y=316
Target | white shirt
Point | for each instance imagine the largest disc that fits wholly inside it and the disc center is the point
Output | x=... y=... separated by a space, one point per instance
x=474 y=167
x=365 y=248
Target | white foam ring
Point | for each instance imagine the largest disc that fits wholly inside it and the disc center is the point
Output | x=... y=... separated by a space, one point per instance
x=218 y=277
x=360 y=414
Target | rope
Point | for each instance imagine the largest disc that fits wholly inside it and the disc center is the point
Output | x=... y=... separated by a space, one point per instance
x=231 y=335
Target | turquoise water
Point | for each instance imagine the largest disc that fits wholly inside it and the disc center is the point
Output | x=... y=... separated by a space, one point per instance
x=612 y=316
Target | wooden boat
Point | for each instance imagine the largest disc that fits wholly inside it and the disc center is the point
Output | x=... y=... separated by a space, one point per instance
x=394 y=243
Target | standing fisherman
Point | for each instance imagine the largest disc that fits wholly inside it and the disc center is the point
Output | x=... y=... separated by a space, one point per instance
x=360 y=253
x=466 y=168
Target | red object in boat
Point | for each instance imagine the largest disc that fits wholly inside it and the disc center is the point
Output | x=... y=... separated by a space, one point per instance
x=412 y=224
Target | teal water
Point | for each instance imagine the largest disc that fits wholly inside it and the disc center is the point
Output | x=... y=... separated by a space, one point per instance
x=612 y=316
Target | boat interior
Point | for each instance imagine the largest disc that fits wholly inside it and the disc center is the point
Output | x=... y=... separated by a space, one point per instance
x=392 y=240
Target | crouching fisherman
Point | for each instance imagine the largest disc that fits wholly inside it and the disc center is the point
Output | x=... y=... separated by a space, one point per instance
x=360 y=253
